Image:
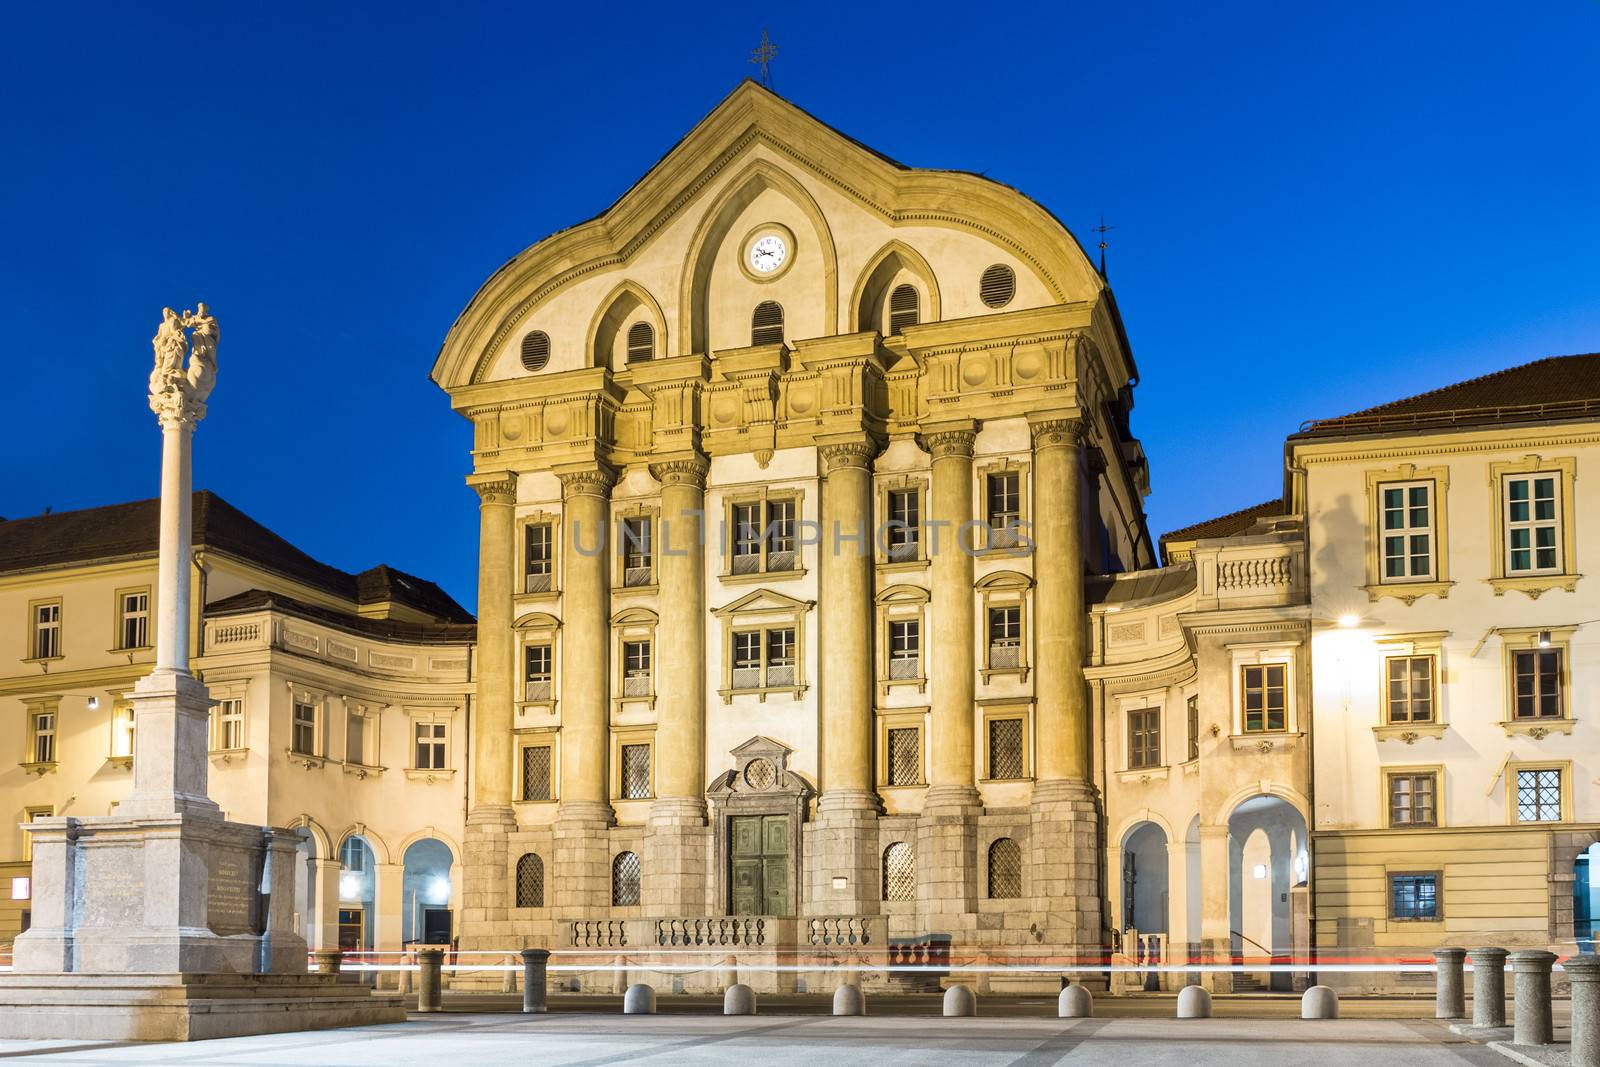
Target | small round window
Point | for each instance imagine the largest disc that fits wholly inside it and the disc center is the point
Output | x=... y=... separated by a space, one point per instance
x=997 y=286
x=536 y=350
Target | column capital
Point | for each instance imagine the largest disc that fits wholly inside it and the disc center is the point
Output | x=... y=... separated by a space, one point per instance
x=497 y=488
x=950 y=442
x=586 y=481
x=842 y=455
x=1057 y=430
x=686 y=470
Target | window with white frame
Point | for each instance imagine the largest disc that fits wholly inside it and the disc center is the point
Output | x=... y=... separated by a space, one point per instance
x=32 y=815
x=1004 y=507
x=1408 y=541
x=1410 y=684
x=1536 y=683
x=1538 y=794
x=46 y=642
x=227 y=718
x=764 y=536
x=432 y=746
x=42 y=730
x=134 y=619
x=539 y=538
x=1265 y=697
x=905 y=649
x=638 y=554
x=303 y=728
x=903 y=533
x=121 y=730
x=635 y=772
x=538 y=664
x=1005 y=636
x=1533 y=523
x=764 y=659
x=636 y=669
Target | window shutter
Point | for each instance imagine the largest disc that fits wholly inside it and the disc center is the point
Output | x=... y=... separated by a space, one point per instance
x=904 y=308
x=641 y=342
x=997 y=286
x=766 y=323
x=535 y=350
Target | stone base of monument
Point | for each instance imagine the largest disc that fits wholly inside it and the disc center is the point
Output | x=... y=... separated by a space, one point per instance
x=184 y=1007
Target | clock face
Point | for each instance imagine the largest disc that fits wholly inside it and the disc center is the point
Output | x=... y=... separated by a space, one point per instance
x=768 y=254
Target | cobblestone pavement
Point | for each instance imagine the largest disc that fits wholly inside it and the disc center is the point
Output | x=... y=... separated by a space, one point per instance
x=590 y=1040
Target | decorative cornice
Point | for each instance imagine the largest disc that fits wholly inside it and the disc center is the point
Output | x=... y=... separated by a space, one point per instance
x=847 y=454
x=590 y=481
x=949 y=444
x=1428 y=449
x=500 y=491
x=1055 y=433
x=690 y=471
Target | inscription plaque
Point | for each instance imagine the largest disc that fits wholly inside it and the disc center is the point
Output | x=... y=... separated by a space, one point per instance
x=233 y=895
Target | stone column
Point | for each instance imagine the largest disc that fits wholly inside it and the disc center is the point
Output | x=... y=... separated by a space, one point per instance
x=676 y=836
x=1065 y=837
x=581 y=872
x=1488 y=986
x=388 y=904
x=1216 y=943
x=486 y=889
x=324 y=931
x=1450 y=995
x=1531 y=972
x=947 y=862
x=845 y=840
x=1584 y=974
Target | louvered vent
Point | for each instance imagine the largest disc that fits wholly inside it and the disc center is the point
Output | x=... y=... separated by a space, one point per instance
x=997 y=286
x=641 y=342
x=904 y=308
x=536 y=350
x=766 y=323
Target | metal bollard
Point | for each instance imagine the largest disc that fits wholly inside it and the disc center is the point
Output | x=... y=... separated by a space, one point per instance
x=328 y=961
x=1488 y=986
x=1584 y=974
x=1530 y=969
x=430 y=988
x=1449 y=988
x=534 y=962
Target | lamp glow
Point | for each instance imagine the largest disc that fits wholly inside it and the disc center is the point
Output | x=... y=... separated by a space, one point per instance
x=1259 y=870
x=1348 y=620
x=94 y=702
x=21 y=888
x=349 y=886
x=1544 y=638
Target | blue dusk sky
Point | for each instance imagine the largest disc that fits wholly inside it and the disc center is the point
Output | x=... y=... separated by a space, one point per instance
x=1317 y=208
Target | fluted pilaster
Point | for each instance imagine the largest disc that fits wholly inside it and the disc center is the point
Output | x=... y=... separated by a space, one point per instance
x=846 y=616
x=586 y=638
x=491 y=747
x=950 y=650
x=1060 y=624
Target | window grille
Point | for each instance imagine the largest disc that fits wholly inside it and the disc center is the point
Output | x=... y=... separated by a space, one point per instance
x=1005 y=869
x=905 y=650
x=1537 y=682
x=1005 y=748
x=1144 y=738
x=1539 y=795
x=1265 y=697
x=530 y=881
x=997 y=286
x=1408 y=531
x=899 y=872
x=536 y=772
x=1531 y=525
x=135 y=620
x=1413 y=800
x=1414 y=896
x=625 y=880
x=535 y=350
x=1410 y=681
x=904 y=307
x=635 y=772
x=766 y=323
x=1005 y=637
x=905 y=755
x=641 y=342
x=540 y=558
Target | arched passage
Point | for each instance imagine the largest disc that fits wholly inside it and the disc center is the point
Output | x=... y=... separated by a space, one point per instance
x=1586 y=898
x=305 y=884
x=357 y=886
x=1267 y=861
x=425 y=893
x=1144 y=879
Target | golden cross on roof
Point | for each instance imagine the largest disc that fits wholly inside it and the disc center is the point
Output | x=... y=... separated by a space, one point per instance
x=762 y=56
x=1102 y=230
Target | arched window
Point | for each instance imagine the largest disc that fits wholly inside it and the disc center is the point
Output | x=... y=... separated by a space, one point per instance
x=535 y=350
x=641 y=342
x=899 y=872
x=1005 y=869
x=766 y=323
x=905 y=306
x=625 y=880
x=530 y=881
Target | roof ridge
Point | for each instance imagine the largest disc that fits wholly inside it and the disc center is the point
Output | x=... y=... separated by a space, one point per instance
x=1275 y=502
x=1503 y=371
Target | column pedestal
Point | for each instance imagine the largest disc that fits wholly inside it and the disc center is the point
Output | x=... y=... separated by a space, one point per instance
x=843 y=843
x=580 y=882
x=1064 y=861
x=948 y=871
x=677 y=845
x=486 y=879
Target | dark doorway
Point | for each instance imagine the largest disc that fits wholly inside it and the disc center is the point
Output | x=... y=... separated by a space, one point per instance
x=435 y=926
x=760 y=858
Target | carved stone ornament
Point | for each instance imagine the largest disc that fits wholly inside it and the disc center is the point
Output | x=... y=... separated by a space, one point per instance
x=690 y=472
x=1264 y=747
x=594 y=481
x=950 y=443
x=847 y=454
x=1057 y=432
x=178 y=392
x=502 y=491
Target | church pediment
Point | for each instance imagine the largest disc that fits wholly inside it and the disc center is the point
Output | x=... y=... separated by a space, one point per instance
x=764 y=601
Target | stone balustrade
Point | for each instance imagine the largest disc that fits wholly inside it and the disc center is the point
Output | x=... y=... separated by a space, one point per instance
x=599 y=933
x=844 y=931
x=1263 y=571
x=724 y=932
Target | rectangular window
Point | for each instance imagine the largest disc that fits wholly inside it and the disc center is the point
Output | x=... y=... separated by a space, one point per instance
x=1266 y=697
x=635 y=772
x=43 y=727
x=1414 y=896
x=536 y=772
x=355 y=738
x=1144 y=738
x=780 y=535
x=32 y=815
x=746 y=538
x=1005 y=748
x=1194 y=727
x=1533 y=526
x=903 y=537
x=636 y=668
x=431 y=746
x=122 y=731
x=905 y=649
x=905 y=755
x=1004 y=512
x=228 y=729
x=303 y=733
x=1539 y=795
x=780 y=657
x=540 y=557
x=46 y=631
x=1407 y=531
x=1536 y=683
x=637 y=552
x=537 y=677
x=135 y=620
x=1413 y=799
x=764 y=537
x=1410 y=681
x=764 y=659
x=1005 y=637
x=747 y=660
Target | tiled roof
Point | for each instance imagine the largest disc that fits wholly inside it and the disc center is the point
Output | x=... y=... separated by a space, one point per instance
x=1558 y=387
x=120 y=531
x=258 y=599
x=1226 y=525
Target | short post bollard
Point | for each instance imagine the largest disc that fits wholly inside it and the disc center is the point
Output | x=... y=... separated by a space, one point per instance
x=960 y=1002
x=328 y=961
x=1075 y=1002
x=640 y=999
x=430 y=984
x=1488 y=986
x=535 y=963
x=1449 y=986
x=739 y=999
x=1194 y=1003
x=1530 y=970
x=1584 y=974
x=847 y=1000
x=1319 y=1002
